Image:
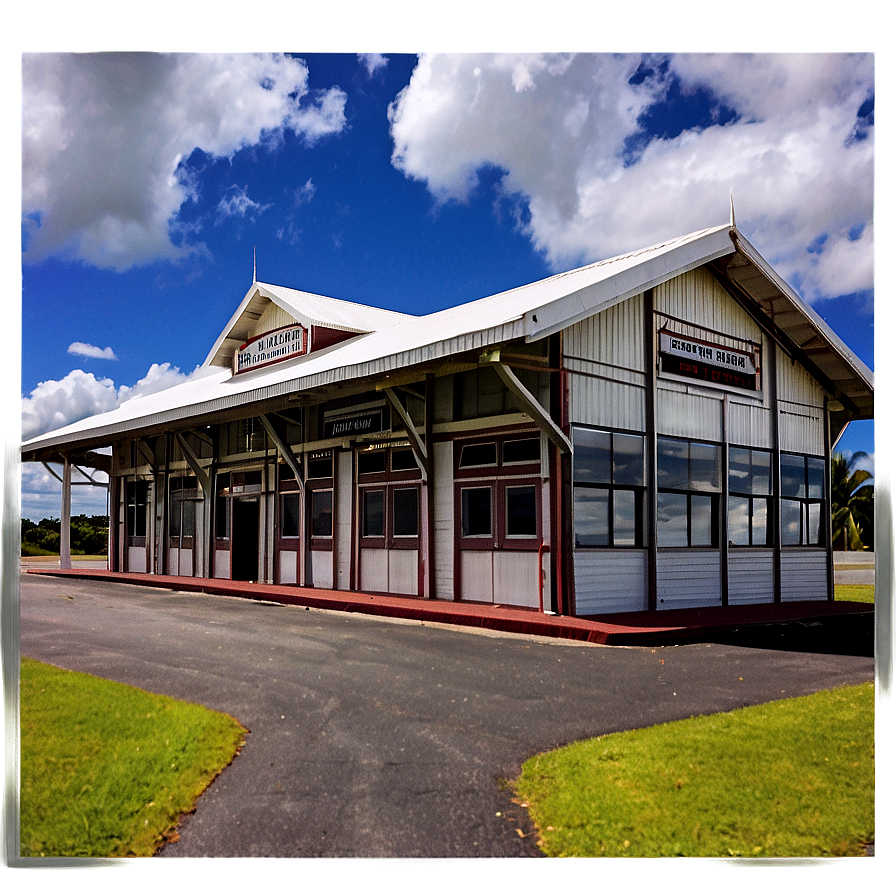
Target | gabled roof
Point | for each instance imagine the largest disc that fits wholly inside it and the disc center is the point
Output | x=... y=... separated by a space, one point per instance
x=388 y=342
x=305 y=308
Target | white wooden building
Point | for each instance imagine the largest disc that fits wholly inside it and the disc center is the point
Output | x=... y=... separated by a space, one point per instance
x=648 y=432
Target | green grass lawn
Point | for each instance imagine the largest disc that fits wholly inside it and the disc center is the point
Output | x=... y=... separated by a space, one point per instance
x=107 y=769
x=861 y=593
x=791 y=778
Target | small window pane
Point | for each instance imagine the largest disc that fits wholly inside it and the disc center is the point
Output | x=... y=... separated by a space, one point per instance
x=738 y=520
x=591 y=509
x=762 y=472
x=371 y=462
x=404 y=512
x=174 y=520
x=289 y=516
x=222 y=518
x=739 y=476
x=624 y=519
x=484 y=455
x=813 y=534
x=320 y=467
x=815 y=469
x=672 y=520
x=791 y=518
x=701 y=521
x=591 y=456
x=403 y=459
x=760 y=522
x=628 y=459
x=793 y=476
x=672 y=463
x=322 y=513
x=521 y=510
x=704 y=474
x=476 y=512
x=521 y=451
x=373 y=521
x=189 y=526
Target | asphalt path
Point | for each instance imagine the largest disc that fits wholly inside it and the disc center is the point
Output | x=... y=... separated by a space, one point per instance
x=378 y=738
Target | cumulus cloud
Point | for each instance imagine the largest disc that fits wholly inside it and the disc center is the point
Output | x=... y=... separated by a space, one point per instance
x=569 y=134
x=373 y=62
x=86 y=350
x=104 y=136
x=56 y=403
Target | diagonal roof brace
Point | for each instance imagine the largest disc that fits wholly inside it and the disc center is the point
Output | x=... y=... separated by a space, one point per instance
x=417 y=445
x=529 y=402
x=279 y=439
x=201 y=474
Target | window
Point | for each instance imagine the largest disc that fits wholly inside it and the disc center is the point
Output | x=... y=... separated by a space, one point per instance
x=608 y=488
x=405 y=516
x=688 y=481
x=484 y=454
x=136 y=502
x=322 y=513
x=371 y=462
x=289 y=515
x=802 y=500
x=373 y=513
x=749 y=490
x=183 y=494
x=476 y=512
x=520 y=511
x=320 y=465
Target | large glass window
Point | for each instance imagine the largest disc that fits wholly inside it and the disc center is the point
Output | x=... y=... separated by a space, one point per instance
x=521 y=511
x=373 y=514
x=749 y=488
x=136 y=502
x=322 y=513
x=688 y=481
x=290 y=511
x=476 y=512
x=802 y=500
x=405 y=512
x=608 y=488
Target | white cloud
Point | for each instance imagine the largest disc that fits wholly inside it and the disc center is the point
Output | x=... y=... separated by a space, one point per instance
x=56 y=403
x=237 y=204
x=562 y=128
x=373 y=62
x=104 y=135
x=86 y=350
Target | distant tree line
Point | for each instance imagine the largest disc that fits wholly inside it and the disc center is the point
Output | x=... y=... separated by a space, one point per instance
x=89 y=535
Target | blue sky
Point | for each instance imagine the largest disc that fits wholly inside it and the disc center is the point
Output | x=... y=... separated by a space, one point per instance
x=412 y=183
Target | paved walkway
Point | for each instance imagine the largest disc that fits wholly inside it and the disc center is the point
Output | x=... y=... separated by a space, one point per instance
x=619 y=629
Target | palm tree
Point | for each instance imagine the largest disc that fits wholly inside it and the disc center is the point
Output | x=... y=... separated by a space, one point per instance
x=852 y=503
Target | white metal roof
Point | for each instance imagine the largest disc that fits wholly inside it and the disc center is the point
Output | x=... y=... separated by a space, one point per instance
x=395 y=341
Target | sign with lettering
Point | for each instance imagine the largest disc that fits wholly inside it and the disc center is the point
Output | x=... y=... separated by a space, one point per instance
x=716 y=364
x=354 y=424
x=270 y=348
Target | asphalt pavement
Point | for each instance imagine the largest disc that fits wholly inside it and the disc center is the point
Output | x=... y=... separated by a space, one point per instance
x=373 y=737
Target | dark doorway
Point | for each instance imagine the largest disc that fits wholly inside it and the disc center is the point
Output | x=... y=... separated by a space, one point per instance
x=244 y=541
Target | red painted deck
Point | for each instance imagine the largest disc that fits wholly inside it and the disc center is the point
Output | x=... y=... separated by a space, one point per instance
x=628 y=629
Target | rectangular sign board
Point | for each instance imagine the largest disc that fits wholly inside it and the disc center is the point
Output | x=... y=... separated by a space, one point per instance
x=271 y=347
x=716 y=364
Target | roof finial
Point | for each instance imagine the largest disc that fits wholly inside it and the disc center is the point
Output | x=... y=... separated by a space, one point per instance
x=255 y=279
x=733 y=224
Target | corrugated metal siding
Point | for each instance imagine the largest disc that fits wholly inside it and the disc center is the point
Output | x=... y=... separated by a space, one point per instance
x=614 y=336
x=443 y=488
x=751 y=577
x=343 y=533
x=610 y=581
x=691 y=416
x=697 y=298
x=749 y=424
x=222 y=564
x=476 y=575
x=804 y=575
x=598 y=402
x=272 y=318
x=688 y=579
x=288 y=567
x=800 y=408
x=322 y=568
x=516 y=578
x=374 y=569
